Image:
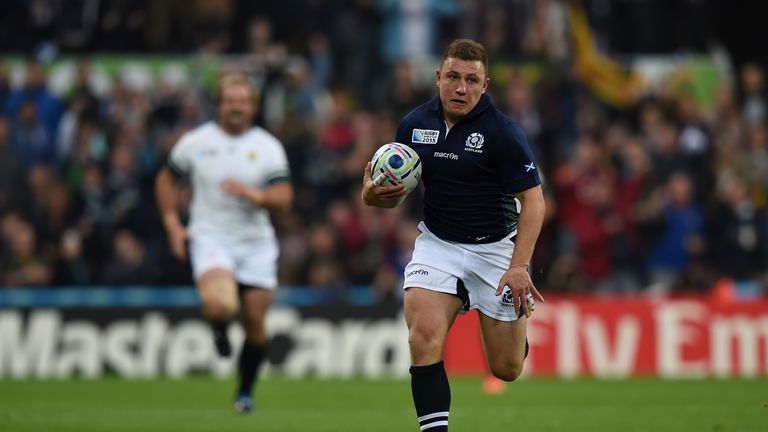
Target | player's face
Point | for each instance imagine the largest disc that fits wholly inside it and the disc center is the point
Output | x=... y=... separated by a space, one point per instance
x=461 y=83
x=236 y=109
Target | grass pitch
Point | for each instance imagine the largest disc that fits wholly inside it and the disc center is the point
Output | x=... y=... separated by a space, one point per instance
x=530 y=405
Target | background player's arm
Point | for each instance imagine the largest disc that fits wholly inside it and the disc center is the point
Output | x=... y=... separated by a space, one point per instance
x=529 y=225
x=380 y=196
x=165 y=194
x=277 y=197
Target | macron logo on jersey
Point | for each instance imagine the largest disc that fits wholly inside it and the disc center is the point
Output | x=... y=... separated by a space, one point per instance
x=424 y=136
x=530 y=167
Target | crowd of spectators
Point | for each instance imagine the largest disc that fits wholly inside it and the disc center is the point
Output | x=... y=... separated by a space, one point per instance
x=667 y=195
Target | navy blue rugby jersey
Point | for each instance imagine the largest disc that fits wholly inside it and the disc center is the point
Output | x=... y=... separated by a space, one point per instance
x=471 y=171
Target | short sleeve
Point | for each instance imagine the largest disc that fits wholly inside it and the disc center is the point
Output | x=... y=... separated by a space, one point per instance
x=279 y=170
x=180 y=159
x=403 y=135
x=516 y=164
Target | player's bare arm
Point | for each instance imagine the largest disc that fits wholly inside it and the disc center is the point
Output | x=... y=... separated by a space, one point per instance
x=165 y=192
x=380 y=196
x=275 y=198
x=517 y=277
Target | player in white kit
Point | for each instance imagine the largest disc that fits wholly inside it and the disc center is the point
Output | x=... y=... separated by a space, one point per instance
x=239 y=174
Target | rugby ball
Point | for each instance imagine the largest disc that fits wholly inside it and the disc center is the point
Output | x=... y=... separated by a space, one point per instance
x=395 y=163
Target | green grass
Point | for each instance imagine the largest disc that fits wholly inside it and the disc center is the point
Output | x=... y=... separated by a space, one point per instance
x=532 y=405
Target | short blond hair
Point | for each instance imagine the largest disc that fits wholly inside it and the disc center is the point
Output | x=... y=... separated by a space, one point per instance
x=235 y=79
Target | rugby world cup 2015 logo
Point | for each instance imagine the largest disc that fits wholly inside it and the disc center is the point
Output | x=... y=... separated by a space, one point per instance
x=424 y=136
x=475 y=142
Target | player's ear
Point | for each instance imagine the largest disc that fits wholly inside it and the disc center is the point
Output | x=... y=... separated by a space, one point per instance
x=437 y=77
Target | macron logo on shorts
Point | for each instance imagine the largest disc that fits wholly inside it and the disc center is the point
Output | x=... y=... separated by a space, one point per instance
x=424 y=136
x=419 y=272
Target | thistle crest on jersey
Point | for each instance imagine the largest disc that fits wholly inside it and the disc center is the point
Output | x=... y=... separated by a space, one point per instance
x=475 y=142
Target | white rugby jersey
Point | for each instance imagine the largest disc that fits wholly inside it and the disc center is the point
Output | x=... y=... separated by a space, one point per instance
x=209 y=155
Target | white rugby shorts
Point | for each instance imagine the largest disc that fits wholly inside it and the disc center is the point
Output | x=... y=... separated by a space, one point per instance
x=470 y=271
x=253 y=262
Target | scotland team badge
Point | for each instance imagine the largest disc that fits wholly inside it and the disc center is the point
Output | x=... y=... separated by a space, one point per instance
x=475 y=142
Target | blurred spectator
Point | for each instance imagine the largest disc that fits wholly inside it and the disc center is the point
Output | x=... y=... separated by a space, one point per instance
x=11 y=170
x=5 y=84
x=96 y=222
x=353 y=241
x=410 y=28
x=30 y=140
x=666 y=156
x=678 y=223
x=294 y=249
x=212 y=21
x=756 y=169
x=324 y=172
x=405 y=93
x=89 y=147
x=754 y=104
x=546 y=32
x=304 y=88
x=387 y=285
x=695 y=144
x=325 y=277
x=76 y=23
x=82 y=108
x=502 y=25
x=130 y=264
x=123 y=187
x=22 y=265
x=356 y=45
x=56 y=214
x=40 y=23
x=120 y=25
x=323 y=245
x=40 y=179
x=520 y=106
x=170 y=25
x=71 y=266
x=34 y=93
x=741 y=233
x=585 y=190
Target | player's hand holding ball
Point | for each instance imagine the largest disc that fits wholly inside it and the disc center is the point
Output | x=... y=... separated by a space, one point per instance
x=394 y=171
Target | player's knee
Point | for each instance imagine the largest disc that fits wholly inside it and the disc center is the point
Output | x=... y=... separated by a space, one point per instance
x=218 y=293
x=509 y=371
x=425 y=342
x=217 y=309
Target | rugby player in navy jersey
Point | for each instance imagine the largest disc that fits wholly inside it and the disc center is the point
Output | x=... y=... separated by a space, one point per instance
x=483 y=211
